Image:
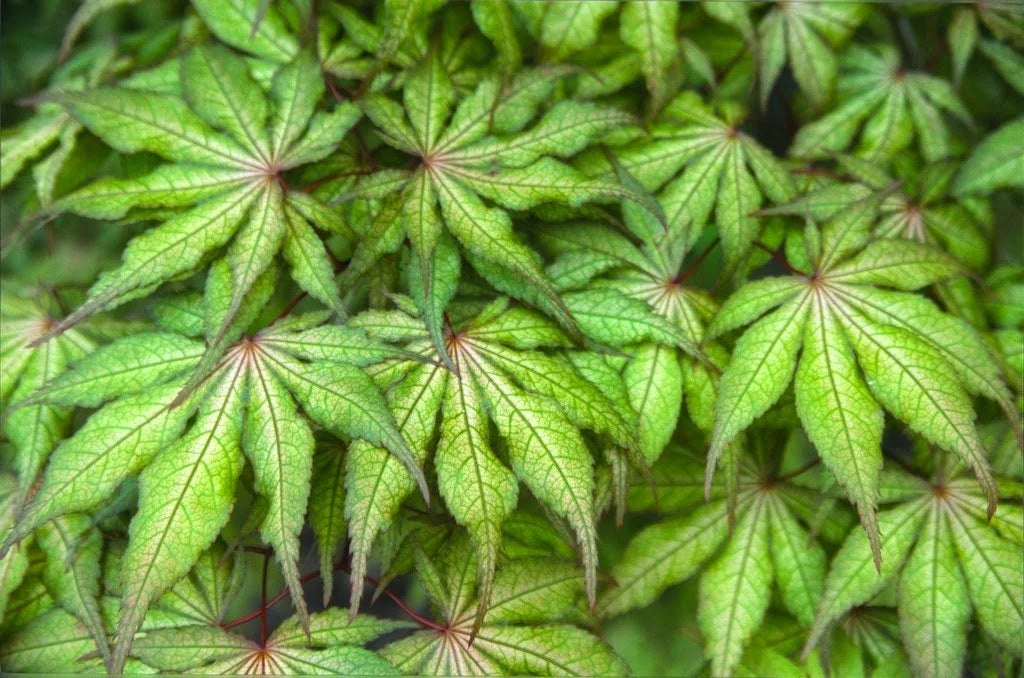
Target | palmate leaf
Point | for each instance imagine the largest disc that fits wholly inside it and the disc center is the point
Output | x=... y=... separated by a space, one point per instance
x=524 y=631
x=229 y=150
x=804 y=34
x=919 y=210
x=947 y=563
x=769 y=543
x=334 y=646
x=247 y=403
x=709 y=164
x=35 y=427
x=885 y=107
x=636 y=296
x=538 y=403
x=476 y=149
x=837 y=317
x=994 y=163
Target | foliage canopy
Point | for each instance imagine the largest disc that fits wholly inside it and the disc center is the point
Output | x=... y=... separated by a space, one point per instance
x=569 y=329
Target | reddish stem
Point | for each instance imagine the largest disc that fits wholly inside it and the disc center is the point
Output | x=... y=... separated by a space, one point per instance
x=263 y=601
x=685 y=275
x=779 y=259
x=290 y=307
x=339 y=565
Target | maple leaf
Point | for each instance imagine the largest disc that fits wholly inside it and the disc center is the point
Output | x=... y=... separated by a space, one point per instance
x=228 y=148
x=709 y=164
x=520 y=634
x=537 y=401
x=480 y=150
x=246 y=403
x=948 y=560
x=916 y=361
x=887 y=105
x=769 y=544
x=609 y=275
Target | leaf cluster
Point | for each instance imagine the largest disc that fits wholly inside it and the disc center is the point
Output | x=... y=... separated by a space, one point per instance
x=512 y=337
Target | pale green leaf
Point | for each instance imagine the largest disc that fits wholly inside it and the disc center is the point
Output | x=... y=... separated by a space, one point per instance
x=736 y=589
x=912 y=380
x=839 y=415
x=326 y=512
x=296 y=90
x=478 y=490
x=547 y=454
x=185 y=498
x=992 y=568
x=933 y=602
x=218 y=87
x=249 y=25
x=761 y=368
x=662 y=555
x=125 y=366
x=752 y=301
x=279 y=446
x=799 y=563
x=654 y=383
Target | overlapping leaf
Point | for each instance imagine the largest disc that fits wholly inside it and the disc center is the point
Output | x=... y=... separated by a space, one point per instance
x=864 y=348
x=245 y=405
x=228 y=150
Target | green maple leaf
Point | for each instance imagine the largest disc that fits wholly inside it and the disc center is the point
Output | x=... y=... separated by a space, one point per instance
x=477 y=151
x=864 y=348
x=563 y=28
x=526 y=630
x=994 y=163
x=709 y=166
x=770 y=543
x=245 y=403
x=639 y=293
x=885 y=107
x=36 y=428
x=74 y=160
x=650 y=29
x=948 y=560
x=227 y=148
x=332 y=646
x=1004 y=22
x=919 y=207
x=805 y=34
x=538 y=403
